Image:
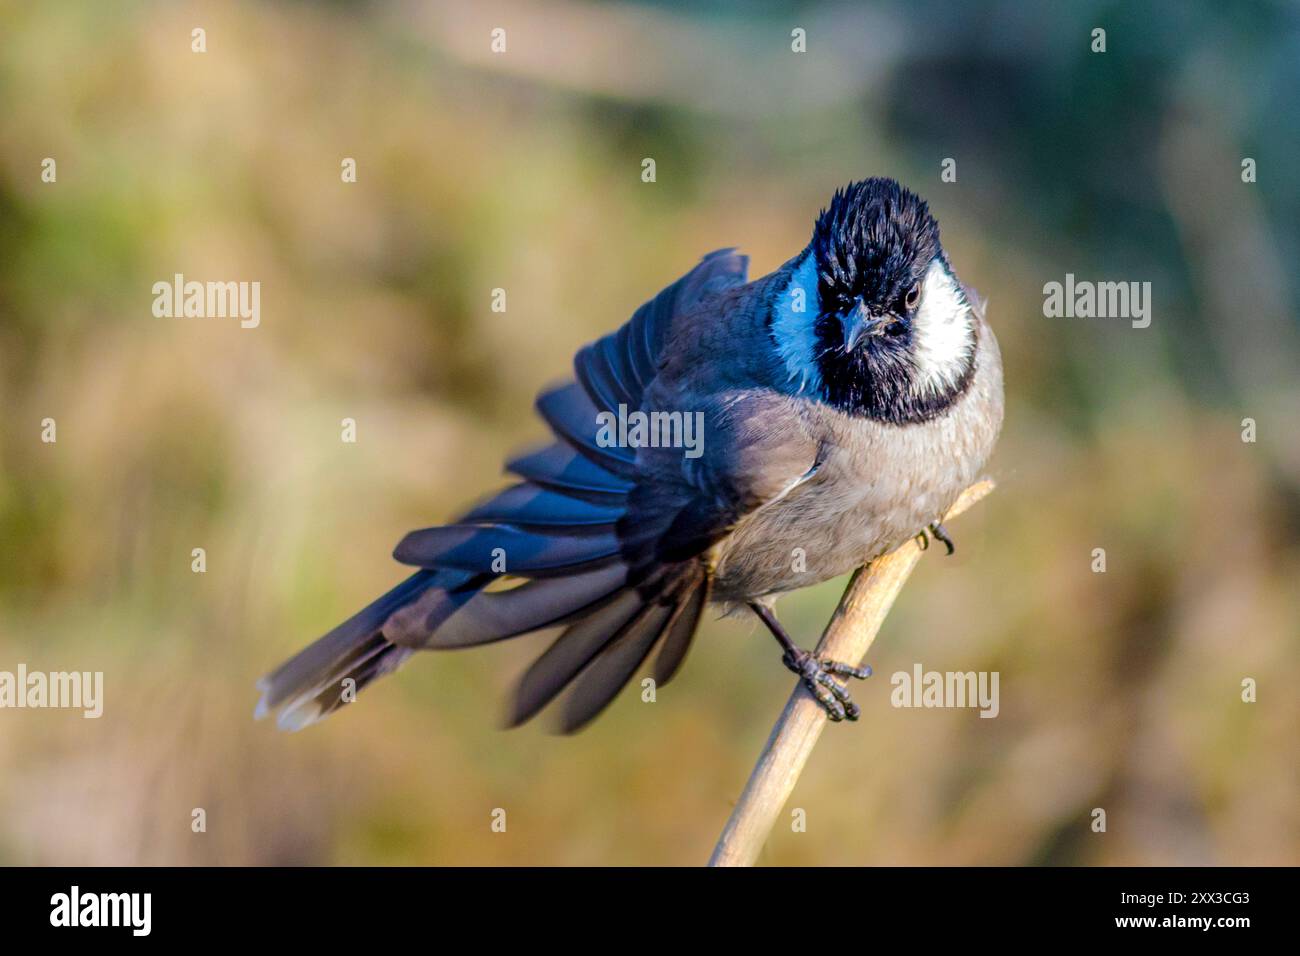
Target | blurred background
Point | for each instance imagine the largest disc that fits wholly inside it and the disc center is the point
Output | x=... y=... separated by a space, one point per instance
x=522 y=170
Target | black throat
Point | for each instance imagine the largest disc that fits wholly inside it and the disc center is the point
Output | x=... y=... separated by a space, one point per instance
x=875 y=381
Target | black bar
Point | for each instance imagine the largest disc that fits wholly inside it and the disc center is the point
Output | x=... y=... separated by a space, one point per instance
x=363 y=907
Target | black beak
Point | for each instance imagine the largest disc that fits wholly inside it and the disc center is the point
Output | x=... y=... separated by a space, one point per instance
x=858 y=323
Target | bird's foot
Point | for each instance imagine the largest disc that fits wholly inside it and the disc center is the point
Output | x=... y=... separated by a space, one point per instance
x=816 y=674
x=940 y=533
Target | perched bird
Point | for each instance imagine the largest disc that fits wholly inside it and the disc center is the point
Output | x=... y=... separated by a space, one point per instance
x=846 y=400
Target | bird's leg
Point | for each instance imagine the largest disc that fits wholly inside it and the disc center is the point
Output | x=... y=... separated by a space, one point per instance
x=816 y=673
x=941 y=533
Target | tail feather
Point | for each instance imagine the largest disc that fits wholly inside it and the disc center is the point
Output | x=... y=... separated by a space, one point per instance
x=324 y=656
x=681 y=629
x=379 y=658
x=600 y=683
x=598 y=655
x=611 y=628
x=571 y=652
x=311 y=685
x=496 y=615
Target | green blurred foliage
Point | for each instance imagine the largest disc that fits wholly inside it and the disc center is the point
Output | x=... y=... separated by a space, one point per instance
x=522 y=171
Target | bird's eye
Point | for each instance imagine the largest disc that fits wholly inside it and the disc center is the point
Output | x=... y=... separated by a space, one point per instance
x=913 y=296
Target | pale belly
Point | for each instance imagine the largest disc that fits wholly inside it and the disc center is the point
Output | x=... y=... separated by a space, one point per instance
x=828 y=528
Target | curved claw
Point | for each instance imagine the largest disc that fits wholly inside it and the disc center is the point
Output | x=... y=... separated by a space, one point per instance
x=941 y=533
x=835 y=710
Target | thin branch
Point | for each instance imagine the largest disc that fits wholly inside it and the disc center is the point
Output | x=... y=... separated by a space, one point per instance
x=848 y=636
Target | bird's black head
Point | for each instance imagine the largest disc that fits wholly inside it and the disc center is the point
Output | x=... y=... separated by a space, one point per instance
x=893 y=334
x=873 y=245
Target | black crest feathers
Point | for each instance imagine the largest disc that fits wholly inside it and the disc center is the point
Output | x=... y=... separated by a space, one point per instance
x=870 y=241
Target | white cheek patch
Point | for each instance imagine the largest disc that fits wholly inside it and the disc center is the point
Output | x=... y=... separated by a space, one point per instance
x=943 y=333
x=793 y=328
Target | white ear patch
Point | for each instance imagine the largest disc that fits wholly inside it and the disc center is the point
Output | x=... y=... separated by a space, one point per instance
x=943 y=333
x=794 y=316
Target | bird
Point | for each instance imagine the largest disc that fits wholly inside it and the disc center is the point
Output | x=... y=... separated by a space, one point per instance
x=845 y=401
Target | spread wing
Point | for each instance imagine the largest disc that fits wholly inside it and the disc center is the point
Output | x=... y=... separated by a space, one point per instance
x=616 y=369
x=607 y=536
x=608 y=532
x=582 y=504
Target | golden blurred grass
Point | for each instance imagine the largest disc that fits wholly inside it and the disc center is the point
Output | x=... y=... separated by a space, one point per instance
x=1119 y=690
